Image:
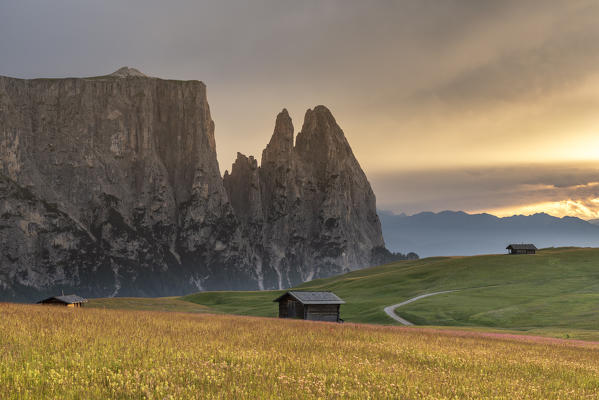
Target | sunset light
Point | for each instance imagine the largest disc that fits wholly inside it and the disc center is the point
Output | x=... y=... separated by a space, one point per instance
x=281 y=199
x=584 y=209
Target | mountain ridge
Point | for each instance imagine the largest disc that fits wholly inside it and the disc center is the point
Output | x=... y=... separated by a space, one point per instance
x=124 y=196
x=306 y=194
x=453 y=233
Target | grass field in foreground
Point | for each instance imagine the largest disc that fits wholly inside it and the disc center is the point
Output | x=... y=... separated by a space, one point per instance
x=55 y=352
x=554 y=292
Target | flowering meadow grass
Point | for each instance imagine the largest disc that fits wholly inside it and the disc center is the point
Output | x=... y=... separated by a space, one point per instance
x=555 y=292
x=60 y=353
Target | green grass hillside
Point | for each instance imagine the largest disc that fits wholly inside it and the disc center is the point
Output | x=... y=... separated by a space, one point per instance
x=554 y=291
x=148 y=304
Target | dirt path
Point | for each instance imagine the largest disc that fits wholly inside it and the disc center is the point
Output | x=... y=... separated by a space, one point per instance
x=390 y=310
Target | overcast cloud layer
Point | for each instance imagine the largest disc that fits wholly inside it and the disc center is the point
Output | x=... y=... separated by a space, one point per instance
x=559 y=189
x=430 y=89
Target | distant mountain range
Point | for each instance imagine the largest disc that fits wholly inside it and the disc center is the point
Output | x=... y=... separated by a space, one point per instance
x=449 y=233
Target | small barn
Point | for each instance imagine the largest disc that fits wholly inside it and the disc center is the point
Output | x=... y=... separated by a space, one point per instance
x=522 y=248
x=314 y=306
x=71 y=300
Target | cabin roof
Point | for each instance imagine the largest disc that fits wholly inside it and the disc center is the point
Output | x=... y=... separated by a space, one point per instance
x=312 y=297
x=67 y=299
x=529 y=246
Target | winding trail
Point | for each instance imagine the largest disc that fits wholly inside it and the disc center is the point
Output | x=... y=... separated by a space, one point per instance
x=390 y=310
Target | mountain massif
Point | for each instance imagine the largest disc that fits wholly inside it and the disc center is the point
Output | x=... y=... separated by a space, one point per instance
x=110 y=186
x=451 y=233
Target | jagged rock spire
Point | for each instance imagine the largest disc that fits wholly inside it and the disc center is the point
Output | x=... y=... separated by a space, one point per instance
x=243 y=188
x=321 y=140
x=280 y=147
x=318 y=209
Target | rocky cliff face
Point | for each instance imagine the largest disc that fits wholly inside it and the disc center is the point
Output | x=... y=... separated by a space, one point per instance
x=309 y=208
x=111 y=186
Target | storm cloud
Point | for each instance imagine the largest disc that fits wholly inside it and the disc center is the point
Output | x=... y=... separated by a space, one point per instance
x=444 y=94
x=499 y=190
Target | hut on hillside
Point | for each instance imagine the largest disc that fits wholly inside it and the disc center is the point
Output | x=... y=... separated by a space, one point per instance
x=522 y=248
x=71 y=300
x=314 y=306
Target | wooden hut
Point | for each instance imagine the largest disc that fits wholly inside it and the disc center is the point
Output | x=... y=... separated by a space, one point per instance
x=314 y=306
x=522 y=248
x=71 y=300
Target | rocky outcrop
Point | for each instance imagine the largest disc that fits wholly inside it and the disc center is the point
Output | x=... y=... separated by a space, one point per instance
x=111 y=186
x=308 y=208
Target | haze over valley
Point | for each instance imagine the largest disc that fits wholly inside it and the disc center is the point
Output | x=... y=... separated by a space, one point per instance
x=456 y=233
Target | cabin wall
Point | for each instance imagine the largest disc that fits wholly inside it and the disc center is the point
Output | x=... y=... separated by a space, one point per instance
x=54 y=303
x=283 y=309
x=60 y=303
x=322 y=312
x=522 y=251
x=290 y=308
x=295 y=309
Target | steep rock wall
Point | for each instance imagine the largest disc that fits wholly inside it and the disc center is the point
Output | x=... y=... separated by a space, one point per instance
x=131 y=162
x=110 y=186
x=309 y=207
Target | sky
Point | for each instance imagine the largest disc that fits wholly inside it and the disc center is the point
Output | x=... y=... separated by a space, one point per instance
x=480 y=106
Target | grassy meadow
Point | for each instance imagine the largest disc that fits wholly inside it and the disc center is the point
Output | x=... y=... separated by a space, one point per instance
x=555 y=292
x=149 y=304
x=55 y=352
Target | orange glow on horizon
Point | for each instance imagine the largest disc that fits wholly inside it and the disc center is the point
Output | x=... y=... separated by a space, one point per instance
x=584 y=209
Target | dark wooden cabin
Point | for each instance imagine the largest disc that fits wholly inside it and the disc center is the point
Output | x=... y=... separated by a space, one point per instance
x=71 y=300
x=313 y=306
x=522 y=249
